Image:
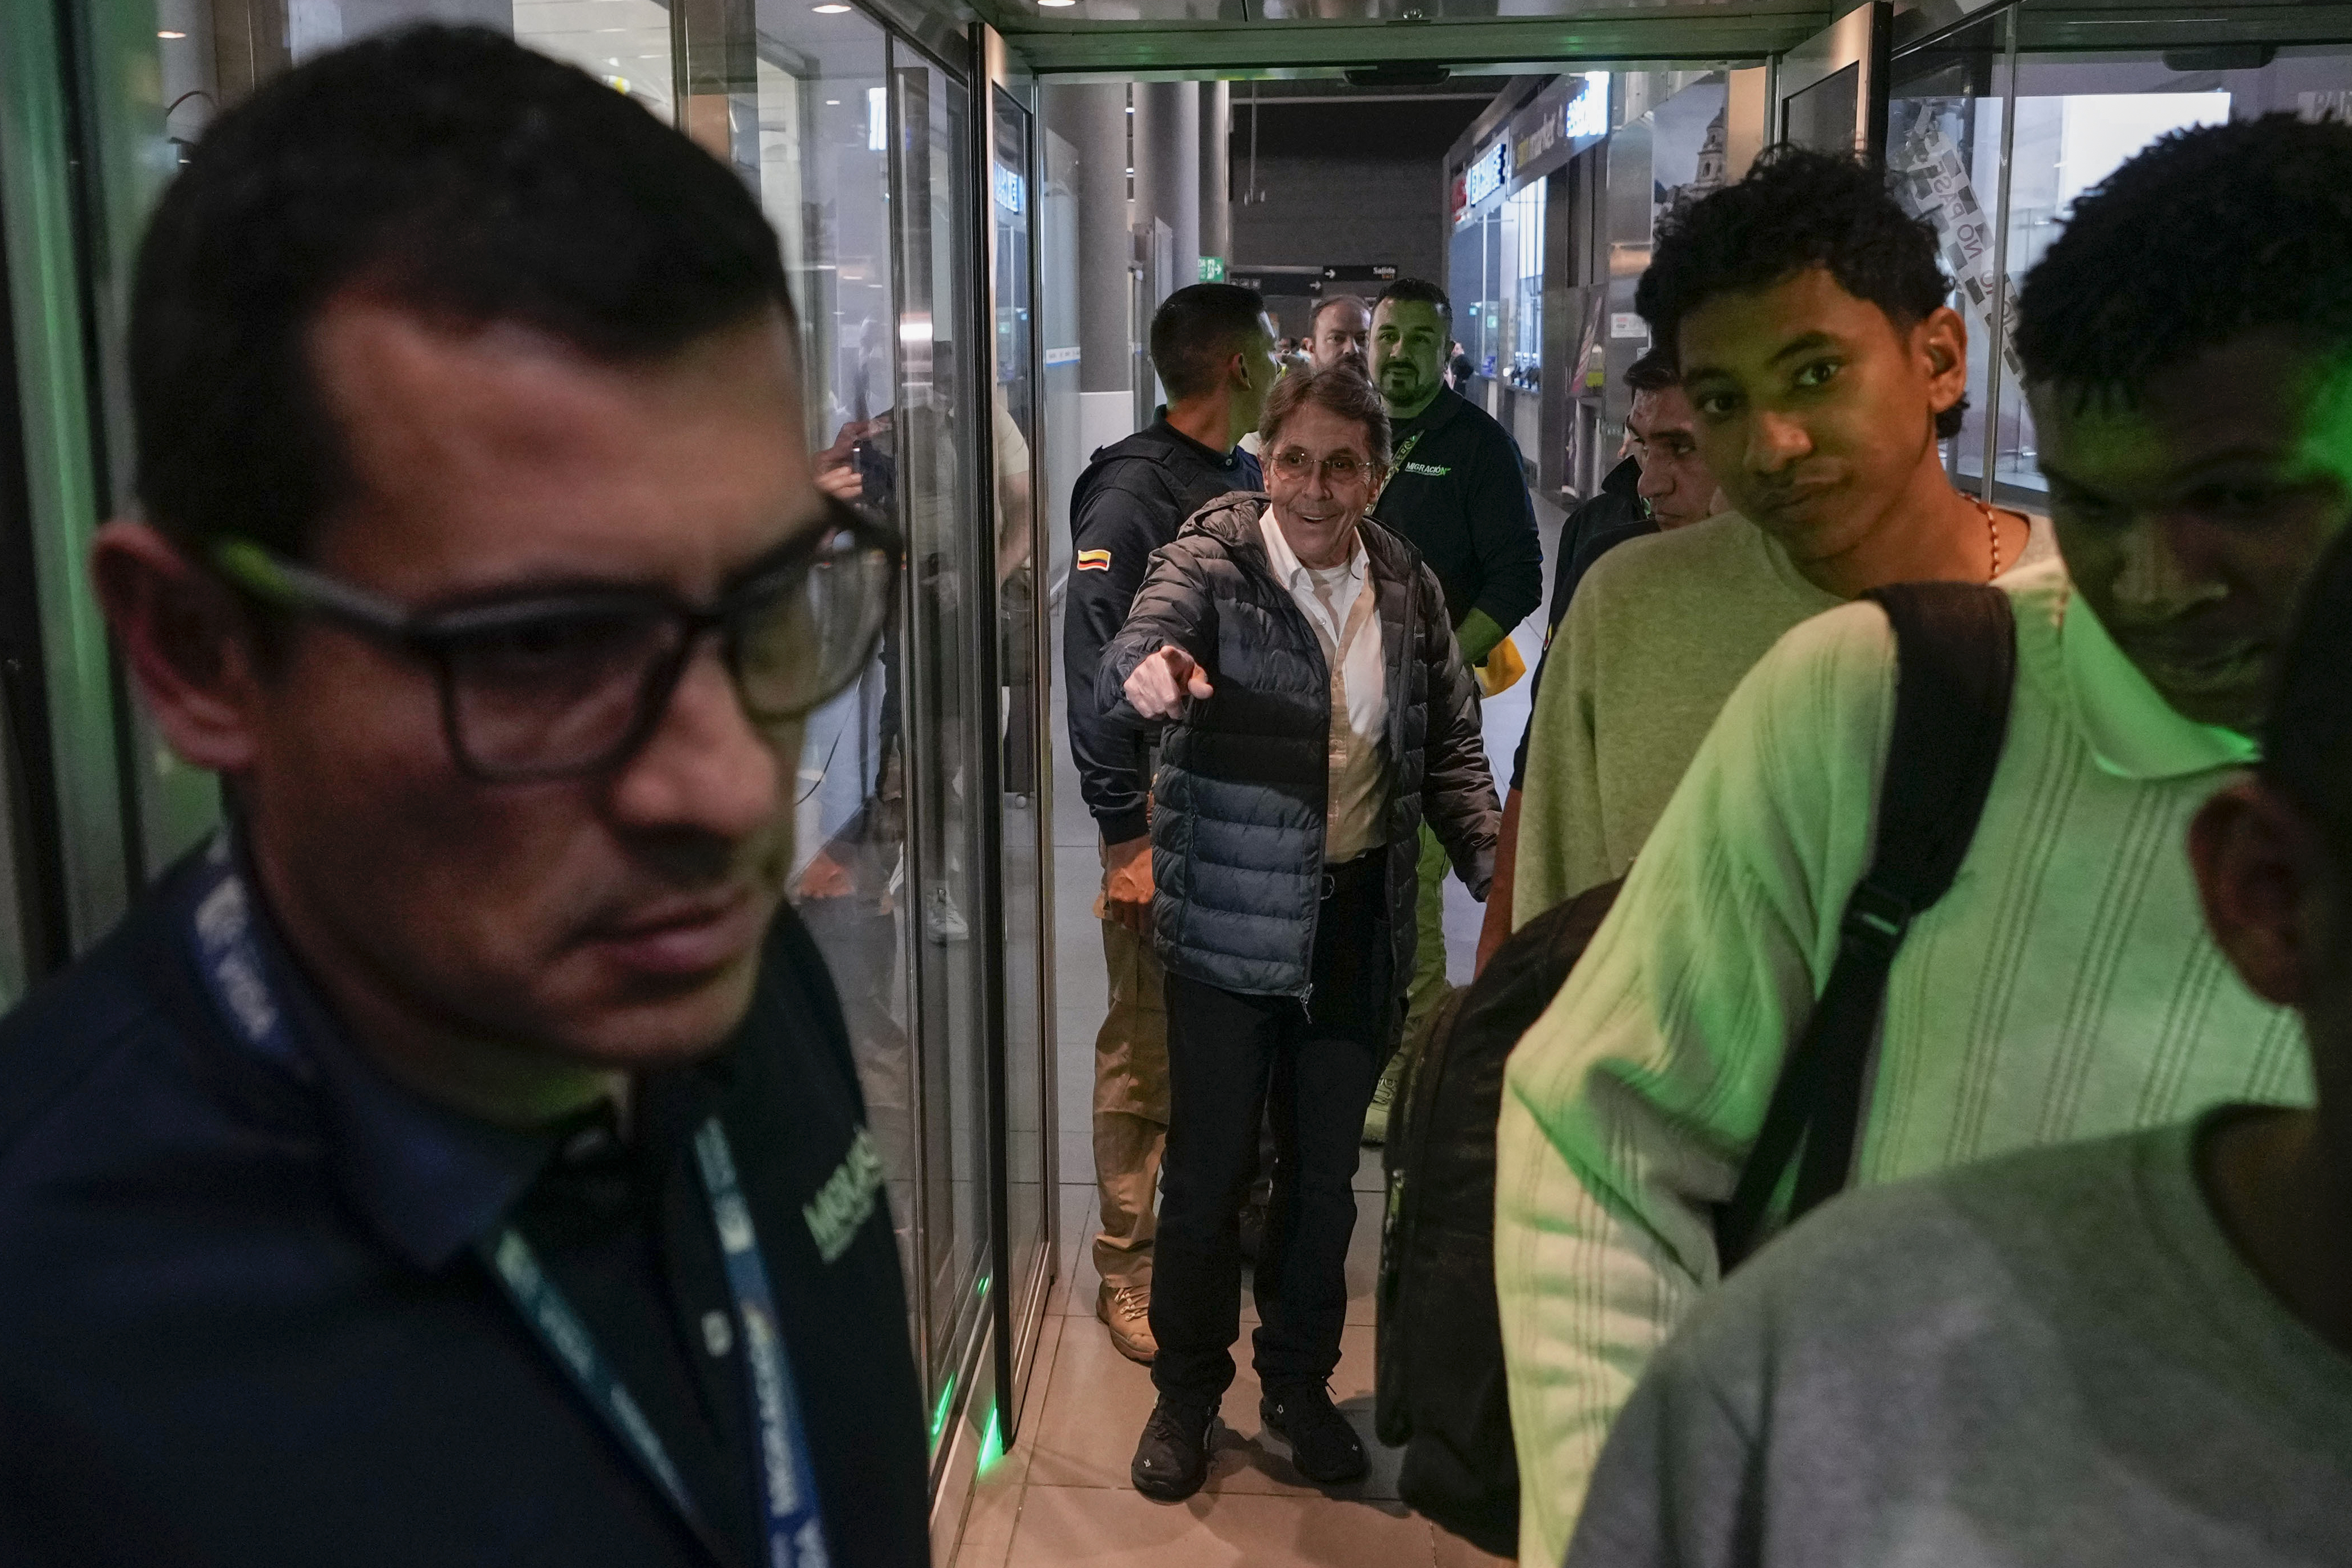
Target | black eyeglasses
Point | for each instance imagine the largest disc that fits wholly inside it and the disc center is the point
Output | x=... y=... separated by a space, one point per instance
x=559 y=685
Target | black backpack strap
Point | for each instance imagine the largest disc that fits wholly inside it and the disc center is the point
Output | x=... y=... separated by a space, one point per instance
x=1955 y=662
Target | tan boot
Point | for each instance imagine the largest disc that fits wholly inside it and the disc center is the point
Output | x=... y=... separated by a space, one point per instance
x=1126 y=1311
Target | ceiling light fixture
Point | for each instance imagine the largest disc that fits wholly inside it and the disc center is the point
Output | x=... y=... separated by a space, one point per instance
x=169 y=33
x=832 y=9
x=1057 y=2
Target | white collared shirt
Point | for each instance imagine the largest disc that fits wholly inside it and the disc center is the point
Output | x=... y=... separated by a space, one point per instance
x=1341 y=604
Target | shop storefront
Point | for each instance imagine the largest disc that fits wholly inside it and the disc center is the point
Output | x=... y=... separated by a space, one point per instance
x=898 y=166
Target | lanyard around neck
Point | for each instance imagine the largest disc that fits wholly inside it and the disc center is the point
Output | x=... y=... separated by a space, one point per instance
x=229 y=957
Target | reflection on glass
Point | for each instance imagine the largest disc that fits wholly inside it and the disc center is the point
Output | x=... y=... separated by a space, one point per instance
x=1943 y=152
x=625 y=43
x=1020 y=699
x=2077 y=118
x=952 y=715
x=827 y=190
x=1826 y=116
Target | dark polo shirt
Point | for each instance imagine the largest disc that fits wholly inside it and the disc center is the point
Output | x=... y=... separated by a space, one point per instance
x=242 y=1322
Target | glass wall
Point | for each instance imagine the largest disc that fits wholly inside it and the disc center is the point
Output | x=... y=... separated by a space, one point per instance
x=1992 y=144
x=1022 y=685
x=949 y=712
x=824 y=184
x=863 y=151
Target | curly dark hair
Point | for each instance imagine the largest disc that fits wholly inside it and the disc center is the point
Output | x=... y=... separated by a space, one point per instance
x=1342 y=390
x=2207 y=235
x=1798 y=209
x=457 y=172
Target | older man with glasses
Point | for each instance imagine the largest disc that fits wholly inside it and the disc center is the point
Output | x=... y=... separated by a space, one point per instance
x=460 y=1159
x=1316 y=710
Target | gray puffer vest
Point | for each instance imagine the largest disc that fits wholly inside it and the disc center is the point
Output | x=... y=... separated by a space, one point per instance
x=1239 y=806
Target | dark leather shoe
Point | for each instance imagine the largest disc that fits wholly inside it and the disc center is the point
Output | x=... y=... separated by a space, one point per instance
x=1323 y=1447
x=1172 y=1459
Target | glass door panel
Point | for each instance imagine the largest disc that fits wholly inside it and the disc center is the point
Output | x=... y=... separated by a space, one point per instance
x=2081 y=116
x=952 y=717
x=1831 y=91
x=1947 y=150
x=824 y=180
x=1020 y=699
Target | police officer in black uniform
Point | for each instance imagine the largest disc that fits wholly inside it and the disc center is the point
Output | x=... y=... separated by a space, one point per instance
x=460 y=1159
x=1214 y=350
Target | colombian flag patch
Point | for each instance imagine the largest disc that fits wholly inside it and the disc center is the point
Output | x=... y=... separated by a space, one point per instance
x=1094 y=560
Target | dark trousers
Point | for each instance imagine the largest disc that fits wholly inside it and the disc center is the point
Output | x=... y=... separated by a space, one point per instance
x=1231 y=1059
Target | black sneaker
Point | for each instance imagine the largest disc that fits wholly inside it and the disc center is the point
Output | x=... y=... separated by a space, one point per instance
x=1323 y=1447
x=1172 y=1459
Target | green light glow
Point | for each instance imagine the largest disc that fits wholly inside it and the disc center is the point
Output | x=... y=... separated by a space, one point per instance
x=981 y=1288
x=991 y=1447
x=939 y=1415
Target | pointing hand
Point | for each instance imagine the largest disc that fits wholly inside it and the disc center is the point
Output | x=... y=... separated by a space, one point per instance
x=1160 y=685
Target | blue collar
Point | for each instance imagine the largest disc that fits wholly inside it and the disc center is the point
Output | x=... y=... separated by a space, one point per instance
x=429 y=1180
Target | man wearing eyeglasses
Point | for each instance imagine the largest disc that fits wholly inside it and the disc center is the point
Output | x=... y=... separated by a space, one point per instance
x=1213 y=348
x=459 y=1159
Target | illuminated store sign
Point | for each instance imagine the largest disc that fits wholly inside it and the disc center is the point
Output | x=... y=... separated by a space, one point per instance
x=1009 y=189
x=1567 y=117
x=1487 y=175
x=1587 y=114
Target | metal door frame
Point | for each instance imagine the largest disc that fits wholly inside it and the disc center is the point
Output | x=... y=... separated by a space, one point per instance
x=1019 y=1303
x=1864 y=38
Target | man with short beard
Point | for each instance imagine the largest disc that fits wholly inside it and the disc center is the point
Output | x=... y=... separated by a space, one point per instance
x=1340 y=328
x=1459 y=495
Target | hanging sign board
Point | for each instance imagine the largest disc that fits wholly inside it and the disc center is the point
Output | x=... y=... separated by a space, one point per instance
x=1379 y=272
x=1566 y=118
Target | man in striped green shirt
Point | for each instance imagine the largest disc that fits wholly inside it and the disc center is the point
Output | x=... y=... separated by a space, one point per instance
x=2194 y=427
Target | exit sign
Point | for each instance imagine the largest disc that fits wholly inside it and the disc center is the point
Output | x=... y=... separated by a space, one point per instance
x=1213 y=270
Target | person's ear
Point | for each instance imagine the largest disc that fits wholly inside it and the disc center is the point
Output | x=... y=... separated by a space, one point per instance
x=2261 y=875
x=183 y=642
x=1941 y=341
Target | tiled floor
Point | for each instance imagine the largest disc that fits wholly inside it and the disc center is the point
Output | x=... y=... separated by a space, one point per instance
x=1060 y=1497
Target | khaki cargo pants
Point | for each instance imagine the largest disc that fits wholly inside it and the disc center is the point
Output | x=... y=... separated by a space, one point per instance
x=1130 y=1106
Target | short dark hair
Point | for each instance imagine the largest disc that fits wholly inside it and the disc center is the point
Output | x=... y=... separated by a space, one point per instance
x=1798 y=209
x=1315 y=317
x=1417 y=291
x=1654 y=371
x=2307 y=739
x=1342 y=390
x=2256 y=225
x=454 y=172
x=1196 y=328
